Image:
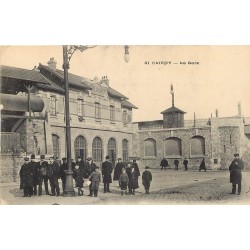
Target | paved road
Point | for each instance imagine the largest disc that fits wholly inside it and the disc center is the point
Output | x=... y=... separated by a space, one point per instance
x=168 y=187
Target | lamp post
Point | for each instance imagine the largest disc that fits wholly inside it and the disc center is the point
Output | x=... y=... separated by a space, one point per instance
x=68 y=52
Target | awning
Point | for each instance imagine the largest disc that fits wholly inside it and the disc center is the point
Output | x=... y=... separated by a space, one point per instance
x=20 y=103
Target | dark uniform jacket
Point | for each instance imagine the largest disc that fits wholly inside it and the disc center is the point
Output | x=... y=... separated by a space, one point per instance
x=146 y=177
x=235 y=169
x=133 y=178
x=43 y=169
x=54 y=170
x=107 y=170
x=26 y=176
x=164 y=163
x=88 y=169
x=78 y=176
x=34 y=165
x=118 y=170
x=185 y=162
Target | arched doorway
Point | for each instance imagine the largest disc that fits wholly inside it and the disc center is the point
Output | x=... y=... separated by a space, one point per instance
x=97 y=151
x=112 y=150
x=81 y=147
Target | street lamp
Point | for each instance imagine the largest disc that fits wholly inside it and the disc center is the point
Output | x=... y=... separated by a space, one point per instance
x=68 y=52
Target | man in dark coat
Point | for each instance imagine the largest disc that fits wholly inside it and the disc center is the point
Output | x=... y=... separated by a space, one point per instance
x=34 y=165
x=133 y=179
x=80 y=162
x=176 y=164
x=54 y=175
x=63 y=167
x=235 y=169
x=203 y=166
x=89 y=168
x=26 y=178
x=146 y=179
x=107 y=170
x=185 y=163
x=43 y=175
x=118 y=169
x=164 y=163
x=135 y=165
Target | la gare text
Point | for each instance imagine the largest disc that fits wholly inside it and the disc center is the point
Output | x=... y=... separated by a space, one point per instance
x=171 y=62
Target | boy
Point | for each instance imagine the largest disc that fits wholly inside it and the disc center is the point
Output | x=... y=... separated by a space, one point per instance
x=123 y=181
x=95 y=179
x=146 y=179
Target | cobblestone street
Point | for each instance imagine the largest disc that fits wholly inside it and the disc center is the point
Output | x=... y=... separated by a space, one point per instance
x=168 y=187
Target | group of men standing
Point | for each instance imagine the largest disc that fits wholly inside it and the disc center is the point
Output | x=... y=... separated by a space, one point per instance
x=33 y=174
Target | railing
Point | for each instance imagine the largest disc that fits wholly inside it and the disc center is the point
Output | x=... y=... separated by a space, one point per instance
x=10 y=142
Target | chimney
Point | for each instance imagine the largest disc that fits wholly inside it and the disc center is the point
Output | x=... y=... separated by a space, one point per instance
x=216 y=113
x=52 y=63
x=104 y=81
x=239 y=108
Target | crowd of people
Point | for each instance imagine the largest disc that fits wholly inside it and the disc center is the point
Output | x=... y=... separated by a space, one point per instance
x=34 y=175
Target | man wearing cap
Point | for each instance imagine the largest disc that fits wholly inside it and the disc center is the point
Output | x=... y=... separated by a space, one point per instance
x=235 y=169
x=63 y=167
x=89 y=168
x=106 y=174
x=54 y=175
x=33 y=165
x=118 y=169
x=43 y=175
x=26 y=178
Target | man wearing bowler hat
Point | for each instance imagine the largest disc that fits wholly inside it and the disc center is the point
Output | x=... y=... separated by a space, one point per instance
x=235 y=169
x=26 y=178
x=106 y=174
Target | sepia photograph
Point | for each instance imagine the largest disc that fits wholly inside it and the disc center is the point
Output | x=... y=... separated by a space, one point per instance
x=125 y=125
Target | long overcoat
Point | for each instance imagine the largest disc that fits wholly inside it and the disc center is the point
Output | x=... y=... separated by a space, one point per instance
x=235 y=169
x=26 y=176
x=78 y=176
x=118 y=170
x=133 y=178
x=34 y=165
x=107 y=171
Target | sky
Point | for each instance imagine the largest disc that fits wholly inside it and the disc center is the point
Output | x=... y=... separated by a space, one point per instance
x=219 y=81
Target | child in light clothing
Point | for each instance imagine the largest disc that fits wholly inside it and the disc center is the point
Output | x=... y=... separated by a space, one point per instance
x=95 y=178
x=123 y=181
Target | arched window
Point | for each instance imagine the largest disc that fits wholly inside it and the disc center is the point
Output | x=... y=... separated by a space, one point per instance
x=149 y=148
x=97 y=149
x=81 y=147
x=125 y=150
x=172 y=147
x=197 y=146
x=112 y=150
x=56 y=145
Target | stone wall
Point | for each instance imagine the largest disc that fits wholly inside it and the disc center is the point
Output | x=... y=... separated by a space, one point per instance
x=160 y=136
x=10 y=167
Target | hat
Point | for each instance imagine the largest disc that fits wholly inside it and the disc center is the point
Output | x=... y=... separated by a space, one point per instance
x=119 y=159
x=147 y=167
x=64 y=158
x=89 y=159
x=79 y=157
x=32 y=157
x=236 y=154
x=107 y=157
x=134 y=160
x=42 y=157
x=26 y=158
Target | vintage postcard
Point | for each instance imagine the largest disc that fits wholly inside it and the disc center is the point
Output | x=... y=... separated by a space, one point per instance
x=96 y=125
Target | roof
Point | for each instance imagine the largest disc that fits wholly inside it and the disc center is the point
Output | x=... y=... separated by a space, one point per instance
x=22 y=74
x=115 y=93
x=128 y=104
x=75 y=80
x=172 y=109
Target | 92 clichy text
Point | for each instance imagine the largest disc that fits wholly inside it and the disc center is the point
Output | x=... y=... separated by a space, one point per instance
x=171 y=62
